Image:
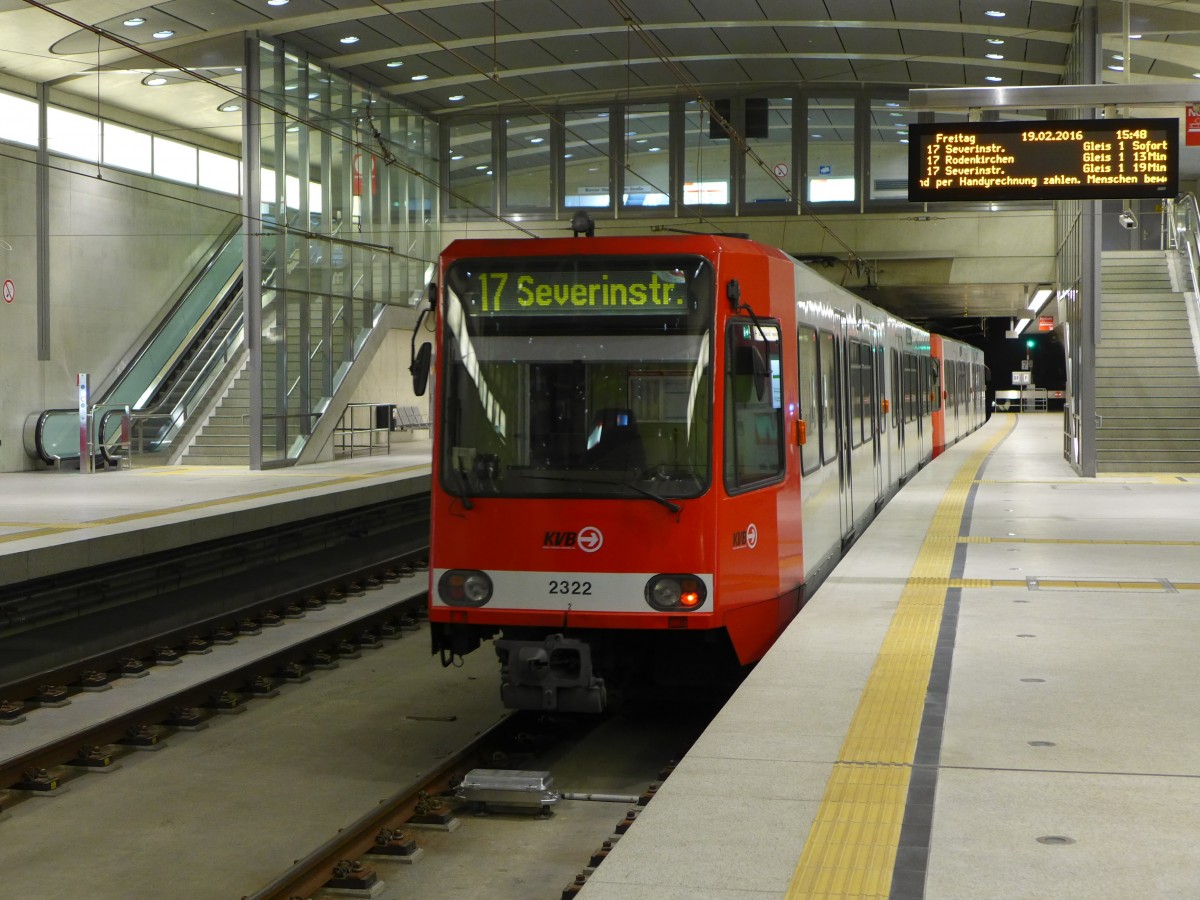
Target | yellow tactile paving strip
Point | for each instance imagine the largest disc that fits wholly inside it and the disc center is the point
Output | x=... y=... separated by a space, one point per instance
x=42 y=529
x=851 y=849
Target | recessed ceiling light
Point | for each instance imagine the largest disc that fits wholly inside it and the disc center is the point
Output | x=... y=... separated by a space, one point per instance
x=420 y=77
x=992 y=78
x=395 y=63
x=134 y=22
x=155 y=80
x=815 y=135
x=277 y=2
x=292 y=129
x=313 y=96
x=656 y=149
x=994 y=55
x=903 y=140
x=457 y=97
x=456 y=156
x=165 y=33
x=642 y=141
x=995 y=40
x=480 y=168
x=994 y=13
x=1135 y=37
x=896 y=114
x=1117 y=68
x=348 y=39
x=229 y=107
x=536 y=140
x=568 y=155
x=1118 y=57
x=892 y=103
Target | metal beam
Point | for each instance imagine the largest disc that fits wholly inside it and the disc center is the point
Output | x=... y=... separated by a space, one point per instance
x=1054 y=96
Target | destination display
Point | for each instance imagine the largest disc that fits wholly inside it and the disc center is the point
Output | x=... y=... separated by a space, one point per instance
x=545 y=293
x=1080 y=159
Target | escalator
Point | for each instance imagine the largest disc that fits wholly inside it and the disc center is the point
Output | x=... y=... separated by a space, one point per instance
x=171 y=377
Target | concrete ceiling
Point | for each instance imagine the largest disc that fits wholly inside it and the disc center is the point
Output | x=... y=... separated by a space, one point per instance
x=514 y=53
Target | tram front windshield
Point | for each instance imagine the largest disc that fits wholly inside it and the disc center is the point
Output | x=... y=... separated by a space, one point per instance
x=580 y=376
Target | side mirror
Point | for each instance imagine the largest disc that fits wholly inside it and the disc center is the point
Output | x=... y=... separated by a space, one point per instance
x=420 y=368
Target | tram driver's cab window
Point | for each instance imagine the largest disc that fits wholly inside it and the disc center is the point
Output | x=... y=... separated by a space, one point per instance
x=753 y=405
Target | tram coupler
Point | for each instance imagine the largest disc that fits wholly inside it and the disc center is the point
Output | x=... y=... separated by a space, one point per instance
x=12 y=712
x=51 y=695
x=353 y=875
x=552 y=674
x=395 y=846
x=93 y=758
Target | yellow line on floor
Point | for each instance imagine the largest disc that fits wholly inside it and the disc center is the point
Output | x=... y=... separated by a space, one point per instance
x=851 y=849
x=1021 y=540
x=59 y=528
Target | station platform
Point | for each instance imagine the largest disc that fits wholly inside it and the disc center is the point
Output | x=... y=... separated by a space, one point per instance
x=57 y=521
x=992 y=696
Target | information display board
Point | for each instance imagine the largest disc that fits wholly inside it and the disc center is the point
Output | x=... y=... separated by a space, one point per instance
x=1079 y=159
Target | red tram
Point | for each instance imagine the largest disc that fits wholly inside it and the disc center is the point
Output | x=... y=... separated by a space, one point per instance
x=647 y=451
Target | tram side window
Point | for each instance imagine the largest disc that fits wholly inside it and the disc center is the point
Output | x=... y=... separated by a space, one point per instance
x=857 y=376
x=810 y=410
x=830 y=435
x=897 y=390
x=911 y=389
x=866 y=362
x=753 y=405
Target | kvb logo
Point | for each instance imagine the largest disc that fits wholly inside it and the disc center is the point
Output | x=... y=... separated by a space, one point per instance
x=746 y=540
x=589 y=539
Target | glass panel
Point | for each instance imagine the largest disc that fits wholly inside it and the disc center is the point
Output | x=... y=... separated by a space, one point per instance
x=889 y=149
x=810 y=412
x=829 y=415
x=18 y=120
x=647 y=175
x=218 y=172
x=126 y=148
x=174 y=160
x=527 y=162
x=706 y=176
x=585 y=154
x=831 y=150
x=471 y=166
x=71 y=134
x=578 y=376
x=753 y=405
x=769 y=134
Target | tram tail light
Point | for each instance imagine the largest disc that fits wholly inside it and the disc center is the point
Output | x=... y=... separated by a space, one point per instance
x=670 y=593
x=465 y=587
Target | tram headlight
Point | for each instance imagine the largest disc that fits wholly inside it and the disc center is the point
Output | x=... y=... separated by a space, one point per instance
x=676 y=592
x=465 y=587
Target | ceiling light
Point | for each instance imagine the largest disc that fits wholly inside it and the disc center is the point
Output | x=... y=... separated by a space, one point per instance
x=292 y=129
x=656 y=149
x=134 y=22
x=165 y=33
x=1135 y=37
x=456 y=156
x=229 y=107
x=891 y=103
x=903 y=140
x=457 y=97
x=348 y=39
x=313 y=96
x=480 y=168
x=994 y=13
x=277 y=2
x=898 y=115
x=994 y=55
x=395 y=63
x=992 y=78
x=1117 y=68
x=815 y=136
x=568 y=155
x=155 y=80
x=995 y=40
x=536 y=140
x=1040 y=296
x=419 y=77
x=1118 y=57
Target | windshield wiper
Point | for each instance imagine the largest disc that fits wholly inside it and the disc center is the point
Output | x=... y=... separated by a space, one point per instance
x=463 y=487
x=650 y=495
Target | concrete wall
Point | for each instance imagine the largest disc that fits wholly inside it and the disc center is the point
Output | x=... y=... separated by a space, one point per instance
x=120 y=245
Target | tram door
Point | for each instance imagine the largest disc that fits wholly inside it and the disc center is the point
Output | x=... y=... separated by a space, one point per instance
x=845 y=469
x=878 y=424
x=897 y=412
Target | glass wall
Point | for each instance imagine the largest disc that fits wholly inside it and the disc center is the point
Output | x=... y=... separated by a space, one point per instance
x=647 y=172
x=831 y=157
x=587 y=179
x=888 y=134
x=472 y=166
x=768 y=133
x=348 y=225
x=528 y=183
x=707 y=177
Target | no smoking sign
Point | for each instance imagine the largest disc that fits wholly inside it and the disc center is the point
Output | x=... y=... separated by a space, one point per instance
x=10 y=291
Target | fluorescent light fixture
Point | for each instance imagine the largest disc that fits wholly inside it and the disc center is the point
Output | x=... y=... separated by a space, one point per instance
x=992 y=78
x=994 y=13
x=1040 y=296
x=1021 y=326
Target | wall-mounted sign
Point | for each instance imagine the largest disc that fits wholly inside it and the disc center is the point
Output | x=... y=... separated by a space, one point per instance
x=1080 y=159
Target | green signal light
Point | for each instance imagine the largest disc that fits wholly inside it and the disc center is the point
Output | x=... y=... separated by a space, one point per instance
x=1030 y=343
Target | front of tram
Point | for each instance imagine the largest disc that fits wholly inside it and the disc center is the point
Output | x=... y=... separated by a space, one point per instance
x=572 y=451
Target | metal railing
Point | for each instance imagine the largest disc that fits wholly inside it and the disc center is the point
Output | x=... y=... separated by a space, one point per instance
x=364 y=428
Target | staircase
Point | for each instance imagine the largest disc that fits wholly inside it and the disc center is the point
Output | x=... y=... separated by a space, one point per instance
x=224 y=440
x=1147 y=382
